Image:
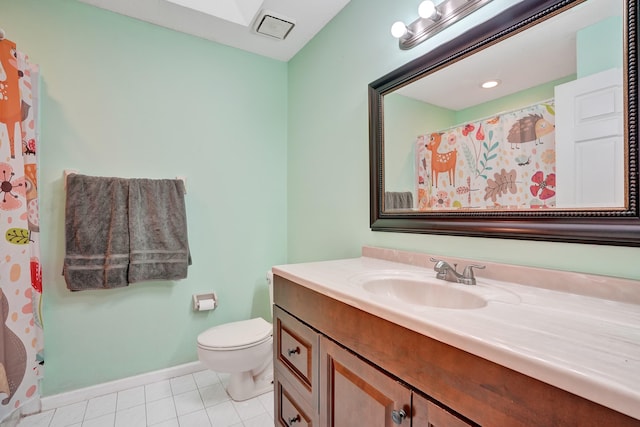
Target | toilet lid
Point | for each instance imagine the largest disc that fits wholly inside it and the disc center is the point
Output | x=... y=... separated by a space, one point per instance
x=236 y=335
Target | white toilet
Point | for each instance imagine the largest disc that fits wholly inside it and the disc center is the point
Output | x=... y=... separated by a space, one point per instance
x=245 y=350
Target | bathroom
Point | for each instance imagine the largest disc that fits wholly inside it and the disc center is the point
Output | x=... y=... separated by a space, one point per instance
x=277 y=171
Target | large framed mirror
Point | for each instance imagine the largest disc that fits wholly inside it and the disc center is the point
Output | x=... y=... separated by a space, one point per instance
x=550 y=153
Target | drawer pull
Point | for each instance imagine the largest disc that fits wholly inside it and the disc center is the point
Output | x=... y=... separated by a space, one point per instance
x=293 y=420
x=291 y=352
x=398 y=416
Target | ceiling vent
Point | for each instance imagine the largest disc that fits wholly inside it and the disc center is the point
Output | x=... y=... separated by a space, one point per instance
x=273 y=25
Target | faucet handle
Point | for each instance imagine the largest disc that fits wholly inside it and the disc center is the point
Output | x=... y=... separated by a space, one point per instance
x=468 y=271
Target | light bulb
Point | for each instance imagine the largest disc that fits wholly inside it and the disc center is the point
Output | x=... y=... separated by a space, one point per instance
x=490 y=84
x=427 y=9
x=398 y=29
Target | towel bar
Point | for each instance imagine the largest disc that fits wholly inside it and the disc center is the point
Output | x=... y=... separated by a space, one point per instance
x=68 y=172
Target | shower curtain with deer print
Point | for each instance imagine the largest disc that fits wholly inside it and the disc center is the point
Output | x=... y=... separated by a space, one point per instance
x=20 y=273
x=507 y=161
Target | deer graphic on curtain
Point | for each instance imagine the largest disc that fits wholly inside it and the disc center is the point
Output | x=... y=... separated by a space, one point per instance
x=20 y=273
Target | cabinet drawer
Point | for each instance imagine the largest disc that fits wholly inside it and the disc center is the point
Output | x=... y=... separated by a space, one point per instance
x=291 y=408
x=296 y=354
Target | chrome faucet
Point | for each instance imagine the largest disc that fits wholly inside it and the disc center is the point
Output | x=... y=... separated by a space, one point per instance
x=446 y=272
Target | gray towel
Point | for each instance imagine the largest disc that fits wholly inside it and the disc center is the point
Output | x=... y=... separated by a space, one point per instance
x=96 y=233
x=159 y=246
x=398 y=200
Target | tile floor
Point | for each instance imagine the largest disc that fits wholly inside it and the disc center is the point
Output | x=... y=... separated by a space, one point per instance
x=194 y=400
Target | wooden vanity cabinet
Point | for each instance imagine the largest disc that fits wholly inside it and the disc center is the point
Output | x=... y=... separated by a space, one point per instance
x=363 y=367
x=319 y=383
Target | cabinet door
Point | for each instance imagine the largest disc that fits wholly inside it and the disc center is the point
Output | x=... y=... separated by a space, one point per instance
x=354 y=393
x=428 y=414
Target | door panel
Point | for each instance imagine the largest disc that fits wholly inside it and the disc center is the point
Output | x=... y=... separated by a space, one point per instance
x=428 y=414
x=357 y=394
x=590 y=144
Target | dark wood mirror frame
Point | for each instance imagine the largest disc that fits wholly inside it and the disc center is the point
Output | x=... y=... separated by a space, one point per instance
x=610 y=227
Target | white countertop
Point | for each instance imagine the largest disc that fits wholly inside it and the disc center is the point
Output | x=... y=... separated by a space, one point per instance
x=585 y=345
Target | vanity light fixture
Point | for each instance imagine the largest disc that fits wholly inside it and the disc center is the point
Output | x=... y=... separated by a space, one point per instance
x=433 y=19
x=490 y=84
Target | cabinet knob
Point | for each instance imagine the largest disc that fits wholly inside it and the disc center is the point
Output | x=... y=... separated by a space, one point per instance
x=293 y=420
x=398 y=416
x=291 y=352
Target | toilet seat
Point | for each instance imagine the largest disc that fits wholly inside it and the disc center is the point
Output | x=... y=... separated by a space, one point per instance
x=236 y=335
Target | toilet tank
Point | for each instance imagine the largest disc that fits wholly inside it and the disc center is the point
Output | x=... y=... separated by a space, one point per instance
x=270 y=282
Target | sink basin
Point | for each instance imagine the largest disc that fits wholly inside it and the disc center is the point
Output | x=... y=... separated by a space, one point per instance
x=424 y=292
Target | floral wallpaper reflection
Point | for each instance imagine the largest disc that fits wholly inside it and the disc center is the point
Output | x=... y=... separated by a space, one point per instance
x=506 y=161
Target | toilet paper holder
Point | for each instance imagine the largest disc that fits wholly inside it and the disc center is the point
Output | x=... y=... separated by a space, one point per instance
x=202 y=302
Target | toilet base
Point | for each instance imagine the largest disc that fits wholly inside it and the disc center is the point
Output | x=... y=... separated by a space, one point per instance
x=249 y=384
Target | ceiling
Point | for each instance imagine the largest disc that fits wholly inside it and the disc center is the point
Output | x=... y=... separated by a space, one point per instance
x=542 y=54
x=231 y=22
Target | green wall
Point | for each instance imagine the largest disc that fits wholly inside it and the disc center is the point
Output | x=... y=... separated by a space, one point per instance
x=328 y=169
x=600 y=47
x=125 y=98
x=404 y=119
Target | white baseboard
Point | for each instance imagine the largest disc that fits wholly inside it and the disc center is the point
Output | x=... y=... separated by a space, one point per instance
x=74 y=396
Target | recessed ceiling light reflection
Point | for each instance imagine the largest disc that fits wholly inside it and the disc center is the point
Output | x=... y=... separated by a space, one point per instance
x=490 y=84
